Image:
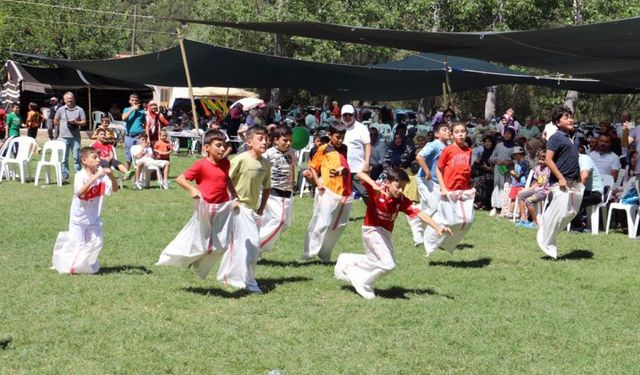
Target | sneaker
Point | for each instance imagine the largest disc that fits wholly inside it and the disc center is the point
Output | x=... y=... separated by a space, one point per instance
x=521 y=224
x=364 y=291
x=137 y=186
x=165 y=185
x=530 y=225
x=493 y=212
x=129 y=174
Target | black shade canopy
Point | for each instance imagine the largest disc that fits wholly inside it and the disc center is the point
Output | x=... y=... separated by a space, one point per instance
x=608 y=51
x=414 y=77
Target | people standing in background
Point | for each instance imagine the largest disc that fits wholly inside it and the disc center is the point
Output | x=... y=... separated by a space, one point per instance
x=34 y=120
x=52 y=129
x=69 y=118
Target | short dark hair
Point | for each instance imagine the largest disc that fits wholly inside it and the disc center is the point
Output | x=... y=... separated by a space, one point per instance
x=256 y=130
x=439 y=126
x=86 y=151
x=281 y=131
x=214 y=135
x=100 y=130
x=143 y=136
x=558 y=112
x=337 y=127
x=396 y=174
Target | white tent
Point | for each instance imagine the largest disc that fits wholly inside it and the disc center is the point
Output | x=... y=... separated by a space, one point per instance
x=167 y=95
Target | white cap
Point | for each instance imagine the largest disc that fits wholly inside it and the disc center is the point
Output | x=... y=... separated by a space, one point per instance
x=347 y=108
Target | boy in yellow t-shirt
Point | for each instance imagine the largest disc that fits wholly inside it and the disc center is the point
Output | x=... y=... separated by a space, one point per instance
x=250 y=174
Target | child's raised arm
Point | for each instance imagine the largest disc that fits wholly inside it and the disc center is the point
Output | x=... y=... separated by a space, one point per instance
x=429 y=220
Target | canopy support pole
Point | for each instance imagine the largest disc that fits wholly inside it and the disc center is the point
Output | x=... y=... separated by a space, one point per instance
x=90 y=117
x=188 y=75
x=447 y=86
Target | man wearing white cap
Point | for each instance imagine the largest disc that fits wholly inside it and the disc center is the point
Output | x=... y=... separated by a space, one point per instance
x=358 y=144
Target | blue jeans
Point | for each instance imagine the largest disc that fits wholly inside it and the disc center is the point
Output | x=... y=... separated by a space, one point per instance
x=72 y=144
x=128 y=142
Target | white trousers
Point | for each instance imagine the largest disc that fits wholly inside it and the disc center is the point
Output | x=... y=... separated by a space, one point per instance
x=362 y=270
x=564 y=206
x=429 y=193
x=238 y=265
x=456 y=212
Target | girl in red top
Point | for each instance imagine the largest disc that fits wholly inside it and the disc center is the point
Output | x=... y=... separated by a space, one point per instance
x=362 y=270
x=454 y=165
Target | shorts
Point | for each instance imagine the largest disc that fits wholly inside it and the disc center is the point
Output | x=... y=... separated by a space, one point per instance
x=513 y=192
x=532 y=196
x=113 y=164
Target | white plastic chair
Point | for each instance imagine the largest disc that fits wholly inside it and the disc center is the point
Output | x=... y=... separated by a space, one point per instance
x=4 y=152
x=516 y=208
x=56 y=151
x=26 y=147
x=629 y=209
x=96 y=117
x=45 y=115
x=145 y=173
x=593 y=212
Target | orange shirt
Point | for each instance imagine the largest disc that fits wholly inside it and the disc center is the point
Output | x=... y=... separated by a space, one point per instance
x=163 y=146
x=332 y=165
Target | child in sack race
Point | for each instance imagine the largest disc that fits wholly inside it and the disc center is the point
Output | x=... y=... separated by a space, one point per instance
x=277 y=215
x=385 y=201
x=77 y=250
x=333 y=200
x=455 y=208
x=208 y=233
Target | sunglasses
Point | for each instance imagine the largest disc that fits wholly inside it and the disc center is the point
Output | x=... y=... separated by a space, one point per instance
x=347 y=114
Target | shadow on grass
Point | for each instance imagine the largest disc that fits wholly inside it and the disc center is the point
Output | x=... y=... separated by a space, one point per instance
x=574 y=255
x=396 y=292
x=294 y=263
x=267 y=285
x=463 y=246
x=357 y=218
x=126 y=269
x=478 y=263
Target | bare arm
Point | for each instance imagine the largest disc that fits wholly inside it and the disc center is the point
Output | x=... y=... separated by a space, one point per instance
x=316 y=180
x=440 y=177
x=425 y=168
x=584 y=176
x=427 y=219
x=263 y=202
x=114 y=183
x=193 y=191
x=92 y=179
x=367 y=157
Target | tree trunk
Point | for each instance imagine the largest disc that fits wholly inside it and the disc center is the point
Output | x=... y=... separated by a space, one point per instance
x=279 y=50
x=571 y=100
x=490 y=103
x=423 y=108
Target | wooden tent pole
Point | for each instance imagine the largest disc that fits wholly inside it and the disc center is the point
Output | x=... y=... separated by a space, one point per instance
x=90 y=109
x=188 y=75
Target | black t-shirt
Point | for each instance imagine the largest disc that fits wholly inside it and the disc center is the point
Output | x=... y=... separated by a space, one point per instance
x=565 y=155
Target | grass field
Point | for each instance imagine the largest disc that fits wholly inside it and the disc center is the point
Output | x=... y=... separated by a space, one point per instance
x=496 y=306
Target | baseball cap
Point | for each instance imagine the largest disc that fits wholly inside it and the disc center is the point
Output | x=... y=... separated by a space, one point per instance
x=517 y=150
x=347 y=108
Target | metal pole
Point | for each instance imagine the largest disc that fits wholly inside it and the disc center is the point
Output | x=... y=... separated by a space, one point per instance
x=188 y=75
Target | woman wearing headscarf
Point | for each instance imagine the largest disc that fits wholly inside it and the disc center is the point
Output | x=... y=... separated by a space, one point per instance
x=482 y=172
x=400 y=152
x=154 y=122
x=501 y=157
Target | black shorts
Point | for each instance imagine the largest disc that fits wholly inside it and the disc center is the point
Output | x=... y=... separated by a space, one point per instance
x=113 y=164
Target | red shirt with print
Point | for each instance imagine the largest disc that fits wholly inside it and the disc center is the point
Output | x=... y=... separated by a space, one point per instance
x=455 y=166
x=104 y=149
x=383 y=210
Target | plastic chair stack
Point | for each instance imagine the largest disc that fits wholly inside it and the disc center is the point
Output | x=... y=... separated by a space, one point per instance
x=56 y=151
x=26 y=147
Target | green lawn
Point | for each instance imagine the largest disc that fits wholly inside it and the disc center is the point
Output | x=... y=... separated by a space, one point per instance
x=497 y=306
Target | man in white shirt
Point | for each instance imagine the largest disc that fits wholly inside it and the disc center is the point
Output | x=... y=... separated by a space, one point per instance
x=358 y=144
x=606 y=161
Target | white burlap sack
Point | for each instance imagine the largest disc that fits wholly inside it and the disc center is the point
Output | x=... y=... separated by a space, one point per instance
x=72 y=256
x=275 y=220
x=238 y=265
x=417 y=227
x=202 y=239
x=429 y=196
x=330 y=216
x=362 y=270
x=564 y=206
x=456 y=212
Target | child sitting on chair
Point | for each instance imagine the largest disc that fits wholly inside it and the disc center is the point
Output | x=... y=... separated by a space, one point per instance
x=145 y=159
x=110 y=135
x=162 y=150
x=536 y=193
x=77 y=250
x=518 y=175
x=105 y=152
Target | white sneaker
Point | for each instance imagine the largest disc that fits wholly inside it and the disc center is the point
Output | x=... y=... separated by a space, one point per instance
x=165 y=185
x=137 y=186
x=493 y=212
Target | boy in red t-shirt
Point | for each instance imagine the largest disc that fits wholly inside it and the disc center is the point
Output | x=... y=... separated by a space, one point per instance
x=382 y=209
x=105 y=151
x=209 y=232
x=454 y=165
